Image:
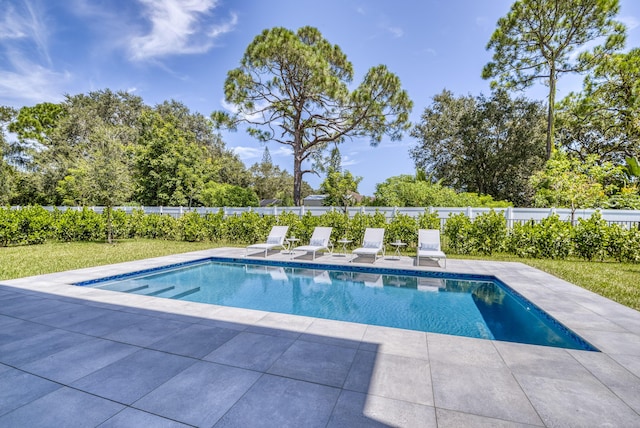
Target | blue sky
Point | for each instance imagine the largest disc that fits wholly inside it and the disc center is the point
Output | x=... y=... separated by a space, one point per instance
x=183 y=49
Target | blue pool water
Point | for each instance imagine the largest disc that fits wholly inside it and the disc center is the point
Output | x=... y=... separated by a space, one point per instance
x=463 y=305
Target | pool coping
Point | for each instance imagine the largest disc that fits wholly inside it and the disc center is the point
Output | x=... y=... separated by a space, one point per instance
x=614 y=373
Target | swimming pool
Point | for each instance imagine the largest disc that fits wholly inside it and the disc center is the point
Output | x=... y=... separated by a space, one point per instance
x=464 y=305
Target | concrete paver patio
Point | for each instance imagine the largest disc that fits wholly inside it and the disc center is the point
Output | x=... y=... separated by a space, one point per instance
x=80 y=356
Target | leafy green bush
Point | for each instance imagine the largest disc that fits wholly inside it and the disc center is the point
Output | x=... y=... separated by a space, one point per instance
x=9 y=225
x=339 y=221
x=550 y=238
x=427 y=220
x=590 y=237
x=120 y=227
x=360 y=222
x=288 y=218
x=488 y=232
x=404 y=228
x=73 y=225
x=521 y=239
x=214 y=226
x=191 y=227
x=458 y=231
x=553 y=238
x=248 y=227
x=27 y=225
x=157 y=226
x=623 y=244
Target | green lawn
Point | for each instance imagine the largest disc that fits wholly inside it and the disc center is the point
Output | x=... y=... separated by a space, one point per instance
x=616 y=281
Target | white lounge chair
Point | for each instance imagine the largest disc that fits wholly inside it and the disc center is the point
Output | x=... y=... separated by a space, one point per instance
x=372 y=244
x=429 y=246
x=320 y=240
x=274 y=240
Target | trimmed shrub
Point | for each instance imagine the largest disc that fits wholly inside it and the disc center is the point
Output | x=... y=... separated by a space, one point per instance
x=214 y=226
x=521 y=239
x=27 y=225
x=248 y=227
x=340 y=223
x=288 y=218
x=9 y=225
x=360 y=222
x=488 y=232
x=590 y=237
x=623 y=244
x=73 y=225
x=120 y=227
x=191 y=227
x=552 y=238
x=458 y=231
x=158 y=226
x=427 y=220
x=404 y=228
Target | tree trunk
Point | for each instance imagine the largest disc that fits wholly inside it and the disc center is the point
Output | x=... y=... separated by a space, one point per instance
x=297 y=180
x=109 y=226
x=550 y=113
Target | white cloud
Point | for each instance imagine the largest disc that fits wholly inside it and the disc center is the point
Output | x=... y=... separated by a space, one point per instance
x=178 y=27
x=27 y=25
x=250 y=154
x=31 y=82
x=348 y=161
x=26 y=72
x=630 y=21
x=396 y=31
x=282 y=150
x=247 y=153
x=250 y=117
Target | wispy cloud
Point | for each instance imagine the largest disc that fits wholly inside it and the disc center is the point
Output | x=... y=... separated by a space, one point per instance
x=630 y=21
x=25 y=24
x=178 y=27
x=248 y=116
x=395 y=31
x=282 y=150
x=348 y=161
x=26 y=81
x=27 y=74
x=248 y=153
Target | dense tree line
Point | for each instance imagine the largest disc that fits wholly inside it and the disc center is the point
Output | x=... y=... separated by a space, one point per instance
x=109 y=148
x=495 y=144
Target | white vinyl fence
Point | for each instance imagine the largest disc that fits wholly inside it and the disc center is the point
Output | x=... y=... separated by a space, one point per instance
x=628 y=218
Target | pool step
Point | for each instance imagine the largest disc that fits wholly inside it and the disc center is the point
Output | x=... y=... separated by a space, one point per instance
x=133 y=290
x=162 y=290
x=186 y=293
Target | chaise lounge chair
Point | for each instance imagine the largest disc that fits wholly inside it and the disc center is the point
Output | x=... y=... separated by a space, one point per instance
x=319 y=241
x=372 y=244
x=274 y=240
x=429 y=246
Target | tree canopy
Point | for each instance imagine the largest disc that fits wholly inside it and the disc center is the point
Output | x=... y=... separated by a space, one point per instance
x=292 y=88
x=416 y=191
x=486 y=145
x=539 y=39
x=603 y=119
x=107 y=148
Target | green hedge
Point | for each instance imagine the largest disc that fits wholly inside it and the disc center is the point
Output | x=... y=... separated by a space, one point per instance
x=553 y=238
